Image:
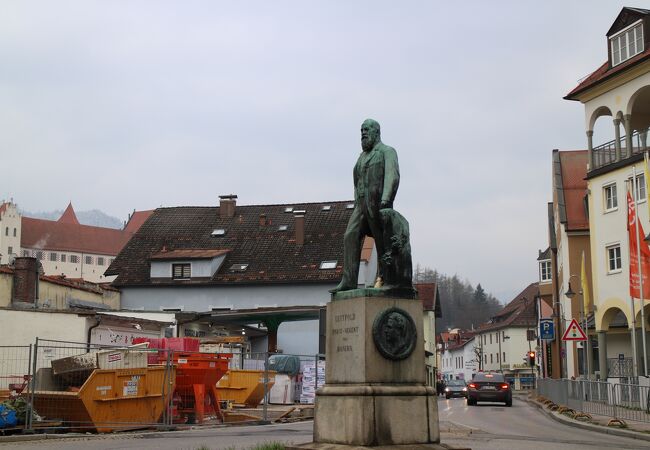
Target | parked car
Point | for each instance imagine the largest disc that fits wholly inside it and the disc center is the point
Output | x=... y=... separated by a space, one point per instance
x=489 y=387
x=456 y=388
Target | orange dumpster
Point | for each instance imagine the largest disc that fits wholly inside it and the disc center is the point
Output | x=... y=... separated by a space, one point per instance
x=109 y=400
x=245 y=387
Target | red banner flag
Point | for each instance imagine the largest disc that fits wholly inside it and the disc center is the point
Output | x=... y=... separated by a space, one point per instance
x=634 y=260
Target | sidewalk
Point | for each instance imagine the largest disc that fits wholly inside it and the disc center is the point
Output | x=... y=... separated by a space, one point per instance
x=635 y=430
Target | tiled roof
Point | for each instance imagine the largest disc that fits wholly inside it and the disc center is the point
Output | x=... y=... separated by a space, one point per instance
x=544 y=255
x=605 y=72
x=272 y=255
x=570 y=172
x=519 y=312
x=67 y=234
x=189 y=254
x=136 y=220
x=61 y=236
x=69 y=216
x=3 y=207
x=75 y=283
x=428 y=295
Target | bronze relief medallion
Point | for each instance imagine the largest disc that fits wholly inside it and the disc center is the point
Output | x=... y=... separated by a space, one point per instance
x=394 y=334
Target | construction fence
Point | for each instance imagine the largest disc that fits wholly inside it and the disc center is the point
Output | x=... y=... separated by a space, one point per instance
x=626 y=401
x=66 y=386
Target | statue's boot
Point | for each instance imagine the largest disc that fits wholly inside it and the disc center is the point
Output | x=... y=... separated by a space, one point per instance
x=342 y=286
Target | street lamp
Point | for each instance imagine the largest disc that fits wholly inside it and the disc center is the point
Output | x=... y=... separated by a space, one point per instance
x=570 y=294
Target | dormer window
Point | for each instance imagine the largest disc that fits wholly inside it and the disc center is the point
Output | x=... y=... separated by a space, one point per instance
x=181 y=271
x=627 y=43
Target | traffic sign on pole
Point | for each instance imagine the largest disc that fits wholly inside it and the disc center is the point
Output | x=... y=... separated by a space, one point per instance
x=574 y=332
x=546 y=329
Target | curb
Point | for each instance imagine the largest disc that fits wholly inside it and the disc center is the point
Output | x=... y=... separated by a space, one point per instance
x=591 y=427
x=152 y=434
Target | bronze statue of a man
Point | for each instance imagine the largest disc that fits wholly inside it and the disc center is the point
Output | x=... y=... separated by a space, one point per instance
x=376 y=178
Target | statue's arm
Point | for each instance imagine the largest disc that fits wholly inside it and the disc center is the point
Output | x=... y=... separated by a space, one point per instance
x=391 y=178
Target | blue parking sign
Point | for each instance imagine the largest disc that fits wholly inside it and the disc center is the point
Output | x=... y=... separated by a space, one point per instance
x=546 y=329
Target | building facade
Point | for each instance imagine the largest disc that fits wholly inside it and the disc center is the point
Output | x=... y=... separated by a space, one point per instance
x=617 y=94
x=64 y=246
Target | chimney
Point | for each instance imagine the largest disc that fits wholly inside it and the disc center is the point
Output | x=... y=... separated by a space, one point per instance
x=25 y=280
x=263 y=222
x=299 y=215
x=227 y=206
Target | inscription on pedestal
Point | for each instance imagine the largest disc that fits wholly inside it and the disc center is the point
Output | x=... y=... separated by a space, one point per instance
x=345 y=327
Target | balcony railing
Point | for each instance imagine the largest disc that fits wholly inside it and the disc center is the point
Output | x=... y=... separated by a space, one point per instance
x=605 y=154
x=620 y=367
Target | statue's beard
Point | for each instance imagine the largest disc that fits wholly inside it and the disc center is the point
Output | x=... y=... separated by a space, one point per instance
x=367 y=144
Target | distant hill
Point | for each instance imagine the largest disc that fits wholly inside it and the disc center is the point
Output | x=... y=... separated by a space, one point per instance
x=93 y=217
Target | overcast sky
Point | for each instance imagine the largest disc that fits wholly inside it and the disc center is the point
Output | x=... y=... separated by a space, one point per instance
x=122 y=105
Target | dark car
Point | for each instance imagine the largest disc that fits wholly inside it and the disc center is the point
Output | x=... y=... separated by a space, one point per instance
x=456 y=388
x=489 y=387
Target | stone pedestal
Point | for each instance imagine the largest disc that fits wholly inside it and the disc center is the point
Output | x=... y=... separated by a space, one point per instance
x=370 y=399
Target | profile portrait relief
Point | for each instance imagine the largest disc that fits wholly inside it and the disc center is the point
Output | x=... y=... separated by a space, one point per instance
x=394 y=334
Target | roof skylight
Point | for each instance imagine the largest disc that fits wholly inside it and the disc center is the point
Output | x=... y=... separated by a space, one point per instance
x=238 y=267
x=288 y=209
x=283 y=227
x=218 y=232
x=326 y=208
x=349 y=206
x=328 y=265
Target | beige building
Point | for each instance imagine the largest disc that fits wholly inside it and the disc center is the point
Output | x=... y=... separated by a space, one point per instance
x=617 y=93
x=570 y=239
x=21 y=285
x=9 y=232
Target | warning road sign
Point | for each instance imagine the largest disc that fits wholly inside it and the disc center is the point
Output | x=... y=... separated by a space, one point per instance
x=574 y=332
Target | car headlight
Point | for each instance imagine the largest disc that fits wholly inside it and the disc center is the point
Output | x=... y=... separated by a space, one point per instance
x=464 y=389
x=446 y=389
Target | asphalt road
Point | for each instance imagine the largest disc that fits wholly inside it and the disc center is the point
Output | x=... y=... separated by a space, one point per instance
x=492 y=426
x=483 y=427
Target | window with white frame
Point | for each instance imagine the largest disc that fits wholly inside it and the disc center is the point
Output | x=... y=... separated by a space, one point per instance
x=545 y=271
x=614 y=258
x=53 y=257
x=74 y=259
x=639 y=188
x=63 y=257
x=609 y=195
x=88 y=260
x=627 y=43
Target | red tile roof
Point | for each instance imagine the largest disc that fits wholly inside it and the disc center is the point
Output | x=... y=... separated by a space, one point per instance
x=574 y=185
x=3 y=207
x=61 y=280
x=69 y=216
x=604 y=72
x=67 y=234
x=519 y=312
x=62 y=236
x=136 y=220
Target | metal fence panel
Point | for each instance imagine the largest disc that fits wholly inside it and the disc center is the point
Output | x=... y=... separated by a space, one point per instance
x=625 y=401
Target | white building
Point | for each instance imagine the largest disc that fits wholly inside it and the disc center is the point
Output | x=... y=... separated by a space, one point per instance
x=506 y=339
x=616 y=97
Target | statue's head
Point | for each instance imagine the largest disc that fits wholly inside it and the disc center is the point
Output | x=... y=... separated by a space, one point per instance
x=370 y=134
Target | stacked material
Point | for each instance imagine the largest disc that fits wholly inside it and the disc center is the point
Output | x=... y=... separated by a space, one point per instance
x=311 y=379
